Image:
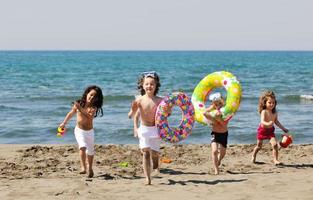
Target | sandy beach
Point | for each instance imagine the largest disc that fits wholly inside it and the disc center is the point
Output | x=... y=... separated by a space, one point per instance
x=51 y=172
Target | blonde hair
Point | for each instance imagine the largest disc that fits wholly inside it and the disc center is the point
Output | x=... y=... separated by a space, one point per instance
x=264 y=98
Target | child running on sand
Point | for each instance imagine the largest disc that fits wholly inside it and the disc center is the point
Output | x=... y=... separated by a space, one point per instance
x=269 y=117
x=86 y=109
x=219 y=130
x=145 y=108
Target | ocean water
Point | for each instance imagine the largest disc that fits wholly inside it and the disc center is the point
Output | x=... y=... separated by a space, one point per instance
x=37 y=88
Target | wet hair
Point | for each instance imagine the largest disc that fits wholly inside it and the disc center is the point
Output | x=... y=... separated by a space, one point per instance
x=141 y=79
x=264 y=98
x=97 y=101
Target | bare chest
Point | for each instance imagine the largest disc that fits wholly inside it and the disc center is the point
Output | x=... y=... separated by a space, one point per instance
x=148 y=108
x=269 y=116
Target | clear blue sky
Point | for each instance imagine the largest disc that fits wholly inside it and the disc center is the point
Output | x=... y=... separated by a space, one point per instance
x=156 y=24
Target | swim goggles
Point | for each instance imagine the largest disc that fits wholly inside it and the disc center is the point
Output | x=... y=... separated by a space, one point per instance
x=152 y=74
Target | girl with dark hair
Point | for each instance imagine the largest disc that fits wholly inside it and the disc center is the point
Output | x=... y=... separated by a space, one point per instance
x=86 y=108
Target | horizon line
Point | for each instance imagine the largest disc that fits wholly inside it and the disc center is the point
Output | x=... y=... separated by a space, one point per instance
x=170 y=50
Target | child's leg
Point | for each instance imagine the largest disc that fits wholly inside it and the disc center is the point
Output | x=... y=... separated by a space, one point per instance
x=256 y=150
x=221 y=155
x=82 y=155
x=90 y=161
x=155 y=160
x=215 y=157
x=275 y=151
x=90 y=140
x=146 y=153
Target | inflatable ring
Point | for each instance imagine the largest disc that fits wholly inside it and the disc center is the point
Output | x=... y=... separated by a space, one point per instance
x=164 y=110
x=210 y=82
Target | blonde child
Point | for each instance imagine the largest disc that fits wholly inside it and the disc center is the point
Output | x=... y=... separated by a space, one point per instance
x=269 y=117
x=143 y=109
x=86 y=109
x=219 y=130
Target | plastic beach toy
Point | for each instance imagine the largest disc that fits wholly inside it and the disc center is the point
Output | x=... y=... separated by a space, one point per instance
x=166 y=160
x=286 y=141
x=123 y=164
x=61 y=132
x=212 y=81
x=175 y=134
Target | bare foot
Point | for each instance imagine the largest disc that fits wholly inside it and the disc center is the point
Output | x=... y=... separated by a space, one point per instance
x=90 y=174
x=148 y=181
x=276 y=162
x=82 y=172
x=253 y=159
x=216 y=172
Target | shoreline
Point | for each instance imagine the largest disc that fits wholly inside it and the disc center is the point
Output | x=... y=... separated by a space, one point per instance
x=52 y=171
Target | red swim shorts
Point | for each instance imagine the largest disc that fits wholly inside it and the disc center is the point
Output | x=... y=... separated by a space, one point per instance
x=265 y=133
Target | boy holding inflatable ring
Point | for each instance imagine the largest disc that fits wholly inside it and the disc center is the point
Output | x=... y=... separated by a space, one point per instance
x=144 y=108
x=219 y=129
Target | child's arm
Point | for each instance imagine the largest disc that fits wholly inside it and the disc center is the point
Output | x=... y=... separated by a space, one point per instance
x=280 y=125
x=265 y=123
x=207 y=111
x=210 y=108
x=136 y=122
x=208 y=116
x=133 y=109
x=216 y=117
x=68 y=116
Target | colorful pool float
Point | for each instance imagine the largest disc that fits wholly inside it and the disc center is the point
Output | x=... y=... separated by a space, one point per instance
x=211 y=82
x=164 y=110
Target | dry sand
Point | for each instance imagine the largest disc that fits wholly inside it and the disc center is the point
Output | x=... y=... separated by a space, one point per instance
x=51 y=172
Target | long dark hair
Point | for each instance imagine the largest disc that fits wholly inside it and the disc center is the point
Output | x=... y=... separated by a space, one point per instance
x=97 y=101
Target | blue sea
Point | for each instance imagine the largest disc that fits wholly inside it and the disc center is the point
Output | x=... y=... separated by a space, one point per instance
x=37 y=88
